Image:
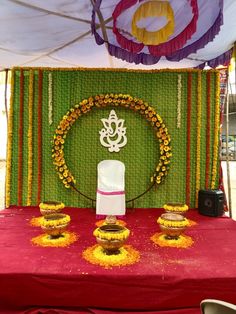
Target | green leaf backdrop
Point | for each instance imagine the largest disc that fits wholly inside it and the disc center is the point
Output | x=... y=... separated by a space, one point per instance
x=83 y=150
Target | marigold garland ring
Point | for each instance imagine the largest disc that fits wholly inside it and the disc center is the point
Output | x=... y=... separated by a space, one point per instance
x=104 y=100
x=96 y=255
x=182 y=242
x=50 y=207
x=177 y=208
x=55 y=224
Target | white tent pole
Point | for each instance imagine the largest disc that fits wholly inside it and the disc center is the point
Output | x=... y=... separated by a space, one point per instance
x=5 y=92
x=227 y=147
x=104 y=33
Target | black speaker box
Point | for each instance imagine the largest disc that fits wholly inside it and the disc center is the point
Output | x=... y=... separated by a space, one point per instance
x=211 y=202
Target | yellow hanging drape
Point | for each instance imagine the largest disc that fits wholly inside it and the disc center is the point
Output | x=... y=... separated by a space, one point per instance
x=153 y=9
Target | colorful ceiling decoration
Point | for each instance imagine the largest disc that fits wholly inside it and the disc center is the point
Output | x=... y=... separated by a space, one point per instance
x=153 y=9
x=145 y=31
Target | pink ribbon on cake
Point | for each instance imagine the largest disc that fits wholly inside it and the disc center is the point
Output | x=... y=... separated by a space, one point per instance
x=111 y=193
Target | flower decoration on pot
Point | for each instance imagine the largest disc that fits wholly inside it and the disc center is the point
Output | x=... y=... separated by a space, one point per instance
x=172 y=225
x=111 y=237
x=50 y=207
x=177 y=208
x=55 y=224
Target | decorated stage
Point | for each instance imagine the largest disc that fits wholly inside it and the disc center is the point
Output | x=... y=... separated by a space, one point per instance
x=34 y=279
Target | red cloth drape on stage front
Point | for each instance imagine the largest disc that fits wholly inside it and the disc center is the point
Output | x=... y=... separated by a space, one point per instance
x=165 y=281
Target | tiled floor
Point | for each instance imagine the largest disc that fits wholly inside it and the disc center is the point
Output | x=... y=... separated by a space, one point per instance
x=232 y=180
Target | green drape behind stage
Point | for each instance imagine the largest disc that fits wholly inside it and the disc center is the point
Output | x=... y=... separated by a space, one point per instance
x=83 y=150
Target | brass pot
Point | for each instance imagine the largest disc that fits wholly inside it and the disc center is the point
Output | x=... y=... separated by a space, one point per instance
x=111 y=237
x=55 y=224
x=172 y=225
x=50 y=207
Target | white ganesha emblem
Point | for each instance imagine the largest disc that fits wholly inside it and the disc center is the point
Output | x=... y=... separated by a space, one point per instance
x=113 y=135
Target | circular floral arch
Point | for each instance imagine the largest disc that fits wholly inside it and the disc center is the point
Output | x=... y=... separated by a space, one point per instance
x=117 y=100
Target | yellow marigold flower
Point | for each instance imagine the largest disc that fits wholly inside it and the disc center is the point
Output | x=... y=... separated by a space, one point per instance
x=59 y=131
x=47 y=222
x=143 y=107
x=112 y=236
x=51 y=206
x=65 y=174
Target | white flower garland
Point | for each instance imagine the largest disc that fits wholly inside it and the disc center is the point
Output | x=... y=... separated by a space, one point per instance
x=50 y=108
x=179 y=86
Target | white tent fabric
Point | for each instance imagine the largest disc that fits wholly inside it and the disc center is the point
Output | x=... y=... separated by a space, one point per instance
x=57 y=33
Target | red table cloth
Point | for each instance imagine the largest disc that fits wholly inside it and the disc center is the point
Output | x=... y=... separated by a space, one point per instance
x=165 y=280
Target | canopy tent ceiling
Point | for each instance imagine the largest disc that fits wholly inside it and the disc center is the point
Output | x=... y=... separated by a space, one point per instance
x=57 y=33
